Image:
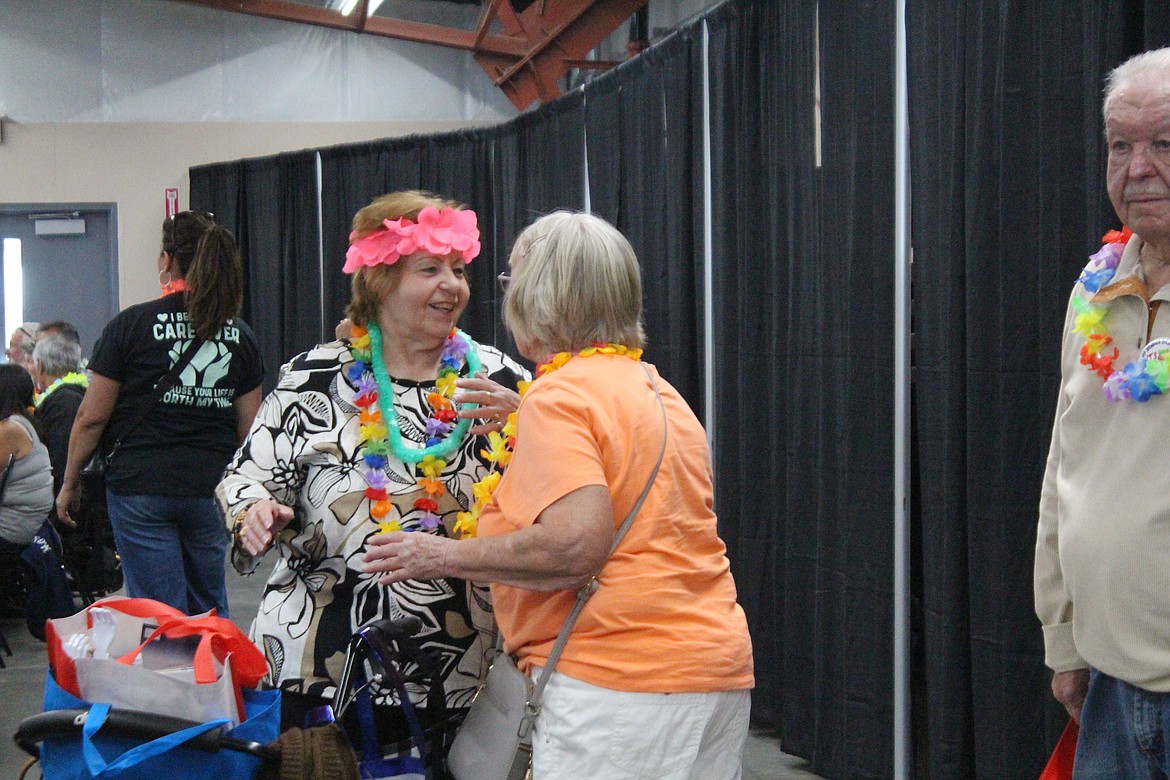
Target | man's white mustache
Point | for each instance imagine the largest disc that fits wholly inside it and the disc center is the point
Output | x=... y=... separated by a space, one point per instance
x=1146 y=192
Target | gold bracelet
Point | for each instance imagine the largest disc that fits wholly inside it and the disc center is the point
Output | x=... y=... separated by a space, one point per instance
x=238 y=526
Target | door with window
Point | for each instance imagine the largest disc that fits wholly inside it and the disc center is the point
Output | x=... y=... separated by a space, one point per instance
x=60 y=262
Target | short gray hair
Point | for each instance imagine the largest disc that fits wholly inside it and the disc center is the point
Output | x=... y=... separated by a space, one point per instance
x=576 y=282
x=1148 y=71
x=57 y=355
x=28 y=335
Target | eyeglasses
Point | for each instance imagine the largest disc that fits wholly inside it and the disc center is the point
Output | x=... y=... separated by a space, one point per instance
x=504 y=279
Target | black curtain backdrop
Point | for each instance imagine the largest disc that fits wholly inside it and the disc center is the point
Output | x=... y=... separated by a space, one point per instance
x=804 y=331
x=539 y=166
x=846 y=395
x=218 y=189
x=283 y=269
x=1009 y=200
x=644 y=125
x=351 y=177
x=459 y=166
x=270 y=204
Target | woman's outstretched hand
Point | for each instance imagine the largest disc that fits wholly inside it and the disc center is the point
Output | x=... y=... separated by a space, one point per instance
x=406 y=555
x=495 y=402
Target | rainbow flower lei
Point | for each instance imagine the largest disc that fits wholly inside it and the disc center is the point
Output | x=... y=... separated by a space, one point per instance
x=381 y=434
x=1141 y=379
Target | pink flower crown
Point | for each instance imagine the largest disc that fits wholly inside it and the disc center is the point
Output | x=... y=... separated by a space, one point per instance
x=437 y=232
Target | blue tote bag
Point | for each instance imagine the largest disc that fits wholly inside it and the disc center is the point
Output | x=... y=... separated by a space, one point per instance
x=94 y=754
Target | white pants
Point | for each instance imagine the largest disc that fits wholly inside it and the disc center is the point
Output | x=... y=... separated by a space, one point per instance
x=588 y=732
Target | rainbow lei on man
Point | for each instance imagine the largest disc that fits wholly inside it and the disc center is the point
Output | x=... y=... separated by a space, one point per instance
x=1141 y=379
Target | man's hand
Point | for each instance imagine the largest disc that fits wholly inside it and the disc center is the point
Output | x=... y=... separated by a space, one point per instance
x=1070 y=688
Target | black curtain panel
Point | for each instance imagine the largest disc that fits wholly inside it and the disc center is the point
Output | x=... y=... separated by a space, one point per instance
x=845 y=397
x=644 y=134
x=460 y=166
x=804 y=331
x=1009 y=200
x=218 y=189
x=351 y=177
x=539 y=166
x=270 y=204
x=283 y=260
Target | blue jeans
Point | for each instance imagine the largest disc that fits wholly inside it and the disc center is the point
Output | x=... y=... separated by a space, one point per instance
x=172 y=550
x=1124 y=732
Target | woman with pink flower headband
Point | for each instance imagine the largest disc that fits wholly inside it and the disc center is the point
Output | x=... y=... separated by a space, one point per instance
x=396 y=426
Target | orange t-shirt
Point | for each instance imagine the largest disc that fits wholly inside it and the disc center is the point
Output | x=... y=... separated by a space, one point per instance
x=664 y=618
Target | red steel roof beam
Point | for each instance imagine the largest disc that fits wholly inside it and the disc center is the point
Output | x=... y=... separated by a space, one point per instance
x=420 y=32
x=569 y=31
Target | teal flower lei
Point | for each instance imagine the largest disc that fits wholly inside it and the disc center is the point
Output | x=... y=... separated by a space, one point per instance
x=450 y=366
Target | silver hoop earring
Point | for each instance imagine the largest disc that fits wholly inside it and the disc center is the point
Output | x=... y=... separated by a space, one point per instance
x=161 y=283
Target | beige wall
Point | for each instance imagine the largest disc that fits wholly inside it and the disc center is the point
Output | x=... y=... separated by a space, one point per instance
x=132 y=165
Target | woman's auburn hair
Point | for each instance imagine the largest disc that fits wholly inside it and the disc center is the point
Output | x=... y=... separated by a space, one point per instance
x=576 y=281
x=370 y=285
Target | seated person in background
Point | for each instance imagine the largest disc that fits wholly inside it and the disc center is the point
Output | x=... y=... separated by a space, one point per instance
x=20 y=345
x=57 y=372
x=28 y=494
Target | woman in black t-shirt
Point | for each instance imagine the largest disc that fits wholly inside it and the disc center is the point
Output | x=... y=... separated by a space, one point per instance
x=167 y=461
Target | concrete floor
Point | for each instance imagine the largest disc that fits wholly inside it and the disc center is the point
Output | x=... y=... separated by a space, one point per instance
x=22 y=684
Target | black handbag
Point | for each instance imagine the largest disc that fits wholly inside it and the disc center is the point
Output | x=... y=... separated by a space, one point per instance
x=93 y=478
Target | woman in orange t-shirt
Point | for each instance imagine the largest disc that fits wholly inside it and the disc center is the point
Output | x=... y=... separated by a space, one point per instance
x=657 y=671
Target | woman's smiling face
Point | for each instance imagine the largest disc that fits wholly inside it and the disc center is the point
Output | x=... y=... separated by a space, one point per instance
x=430 y=295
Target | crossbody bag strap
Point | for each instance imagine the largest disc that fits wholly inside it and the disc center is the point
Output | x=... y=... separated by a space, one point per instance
x=168 y=380
x=587 y=590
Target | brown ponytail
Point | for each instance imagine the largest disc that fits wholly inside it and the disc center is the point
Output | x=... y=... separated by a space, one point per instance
x=215 y=282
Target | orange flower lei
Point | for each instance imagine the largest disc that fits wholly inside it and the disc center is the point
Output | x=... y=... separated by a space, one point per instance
x=499 y=454
x=561 y=358
x=502 y=444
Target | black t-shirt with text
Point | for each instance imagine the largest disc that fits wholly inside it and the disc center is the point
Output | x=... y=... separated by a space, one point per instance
x=184 y=442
